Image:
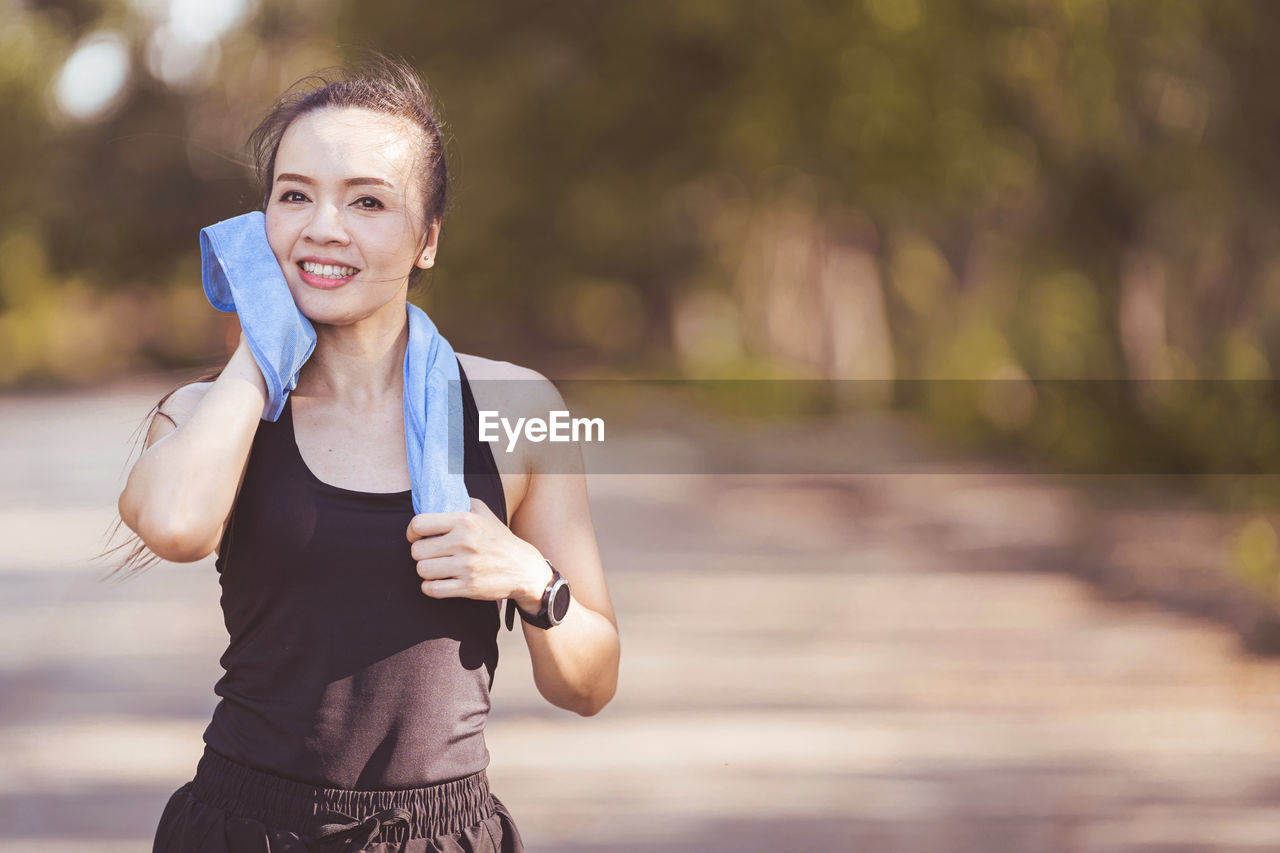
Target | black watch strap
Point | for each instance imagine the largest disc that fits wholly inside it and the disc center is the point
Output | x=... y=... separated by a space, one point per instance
x=544 y=618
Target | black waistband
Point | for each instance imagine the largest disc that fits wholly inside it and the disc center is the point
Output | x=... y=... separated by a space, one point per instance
x=334 y=813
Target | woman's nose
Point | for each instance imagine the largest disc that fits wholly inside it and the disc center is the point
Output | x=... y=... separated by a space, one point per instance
x=326 y=225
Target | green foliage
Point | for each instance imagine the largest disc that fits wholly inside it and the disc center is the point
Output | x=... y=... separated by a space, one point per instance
x=992 y=188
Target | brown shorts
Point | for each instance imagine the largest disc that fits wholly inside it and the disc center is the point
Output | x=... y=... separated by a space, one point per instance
x=231 y=808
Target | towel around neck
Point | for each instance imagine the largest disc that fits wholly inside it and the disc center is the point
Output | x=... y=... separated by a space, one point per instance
x=240 y=273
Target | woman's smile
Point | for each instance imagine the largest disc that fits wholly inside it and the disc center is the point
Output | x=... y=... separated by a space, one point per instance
x=325 y=276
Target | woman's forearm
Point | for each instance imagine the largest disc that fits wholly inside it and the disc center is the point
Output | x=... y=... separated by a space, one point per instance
x=575 y=663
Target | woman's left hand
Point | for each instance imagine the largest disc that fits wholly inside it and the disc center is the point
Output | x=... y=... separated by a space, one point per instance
x=474 y=555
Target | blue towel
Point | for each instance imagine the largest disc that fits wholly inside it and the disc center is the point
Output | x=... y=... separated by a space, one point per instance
x=241 y=274
x=239 y=268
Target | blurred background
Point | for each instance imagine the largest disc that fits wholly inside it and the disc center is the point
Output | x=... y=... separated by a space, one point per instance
x=1009 y=637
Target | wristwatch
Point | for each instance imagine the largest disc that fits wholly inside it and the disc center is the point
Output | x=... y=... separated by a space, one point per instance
x=555 y=604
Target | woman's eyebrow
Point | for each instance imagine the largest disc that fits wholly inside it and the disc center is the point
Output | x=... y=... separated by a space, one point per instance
x=351 y=182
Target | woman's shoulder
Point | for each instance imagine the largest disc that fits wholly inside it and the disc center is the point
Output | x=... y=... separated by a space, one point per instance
x=506 y=383
x=510 y=390
x=481 y=368
x=508 y=396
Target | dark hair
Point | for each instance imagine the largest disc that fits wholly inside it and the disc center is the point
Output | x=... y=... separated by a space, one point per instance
x=382 y=84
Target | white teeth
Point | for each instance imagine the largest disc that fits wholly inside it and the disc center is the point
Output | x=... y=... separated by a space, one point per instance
x=328 y=270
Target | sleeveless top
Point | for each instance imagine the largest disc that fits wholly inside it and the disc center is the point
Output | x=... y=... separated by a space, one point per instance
x=340 y=671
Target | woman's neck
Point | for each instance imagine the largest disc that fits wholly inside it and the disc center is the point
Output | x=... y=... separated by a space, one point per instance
x=357 y=366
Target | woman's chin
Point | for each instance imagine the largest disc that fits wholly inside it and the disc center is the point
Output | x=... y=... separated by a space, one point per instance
x=322 y=316
x=328 y=310
x=327 y=320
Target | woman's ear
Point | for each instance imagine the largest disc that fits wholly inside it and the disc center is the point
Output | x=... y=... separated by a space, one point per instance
x=427 y=257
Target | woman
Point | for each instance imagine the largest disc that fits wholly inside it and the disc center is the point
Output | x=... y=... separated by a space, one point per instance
x=362 y=636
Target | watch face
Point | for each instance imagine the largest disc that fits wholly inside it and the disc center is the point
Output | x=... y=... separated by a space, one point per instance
x=560 y=602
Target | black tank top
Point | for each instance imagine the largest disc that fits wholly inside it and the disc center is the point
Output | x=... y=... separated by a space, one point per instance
x=340 y=672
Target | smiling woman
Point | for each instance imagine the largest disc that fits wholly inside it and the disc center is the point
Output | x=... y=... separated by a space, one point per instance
x=363 y=635
x=407 y=129
x=348 y=209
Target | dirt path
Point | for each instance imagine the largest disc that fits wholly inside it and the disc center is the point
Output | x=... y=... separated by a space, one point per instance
x=809 y=663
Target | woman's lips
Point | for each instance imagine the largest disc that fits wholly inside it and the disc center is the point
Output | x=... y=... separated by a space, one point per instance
x=322 y=282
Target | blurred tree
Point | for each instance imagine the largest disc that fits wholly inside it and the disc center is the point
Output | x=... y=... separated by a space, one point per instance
x=973 y=189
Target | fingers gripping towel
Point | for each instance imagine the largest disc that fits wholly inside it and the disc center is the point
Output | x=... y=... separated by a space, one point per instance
x=241 y=274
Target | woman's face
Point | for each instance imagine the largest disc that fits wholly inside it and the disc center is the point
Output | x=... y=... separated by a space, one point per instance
x=345 y=214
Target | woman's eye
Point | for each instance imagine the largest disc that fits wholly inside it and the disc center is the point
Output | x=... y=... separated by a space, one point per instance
x=288 y=193
x=374 y=205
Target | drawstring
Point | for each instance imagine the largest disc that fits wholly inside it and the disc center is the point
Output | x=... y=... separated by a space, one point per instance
x=360 y=832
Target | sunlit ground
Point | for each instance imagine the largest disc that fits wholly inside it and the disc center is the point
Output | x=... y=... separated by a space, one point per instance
x=809 y=663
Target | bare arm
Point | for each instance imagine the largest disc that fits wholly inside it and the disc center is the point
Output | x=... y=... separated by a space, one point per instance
x=181 y=490
x=575 y=664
